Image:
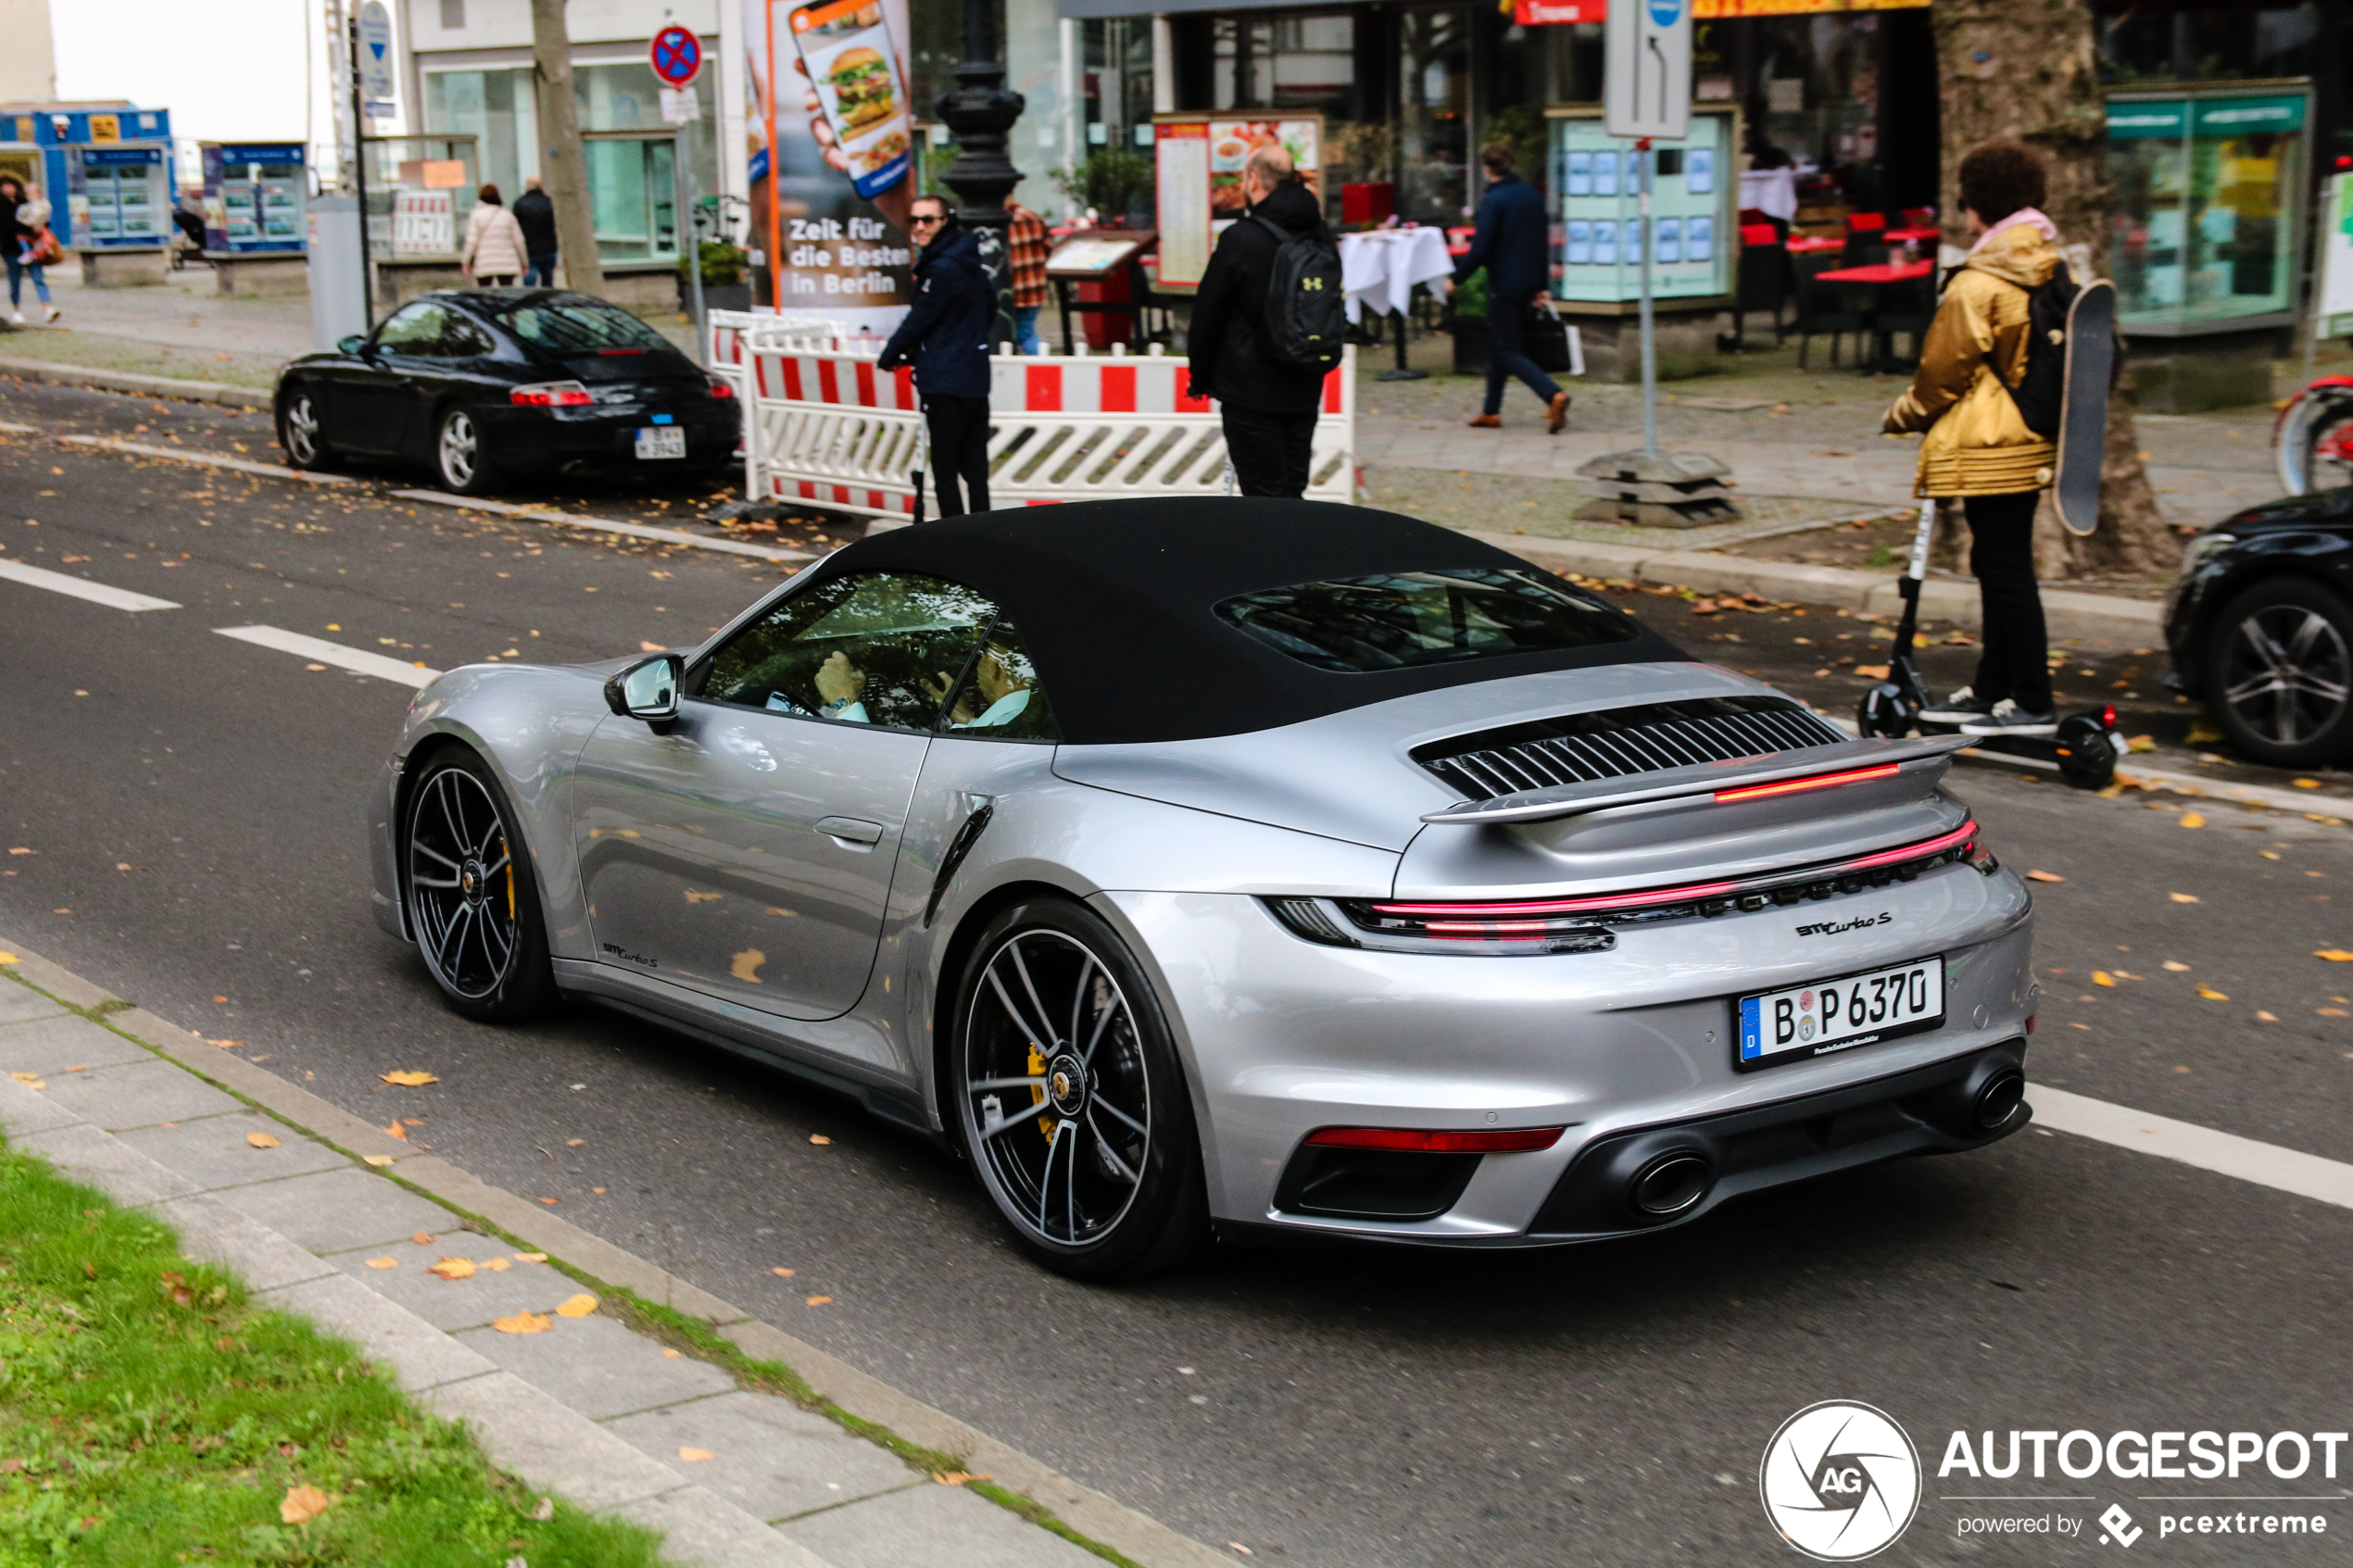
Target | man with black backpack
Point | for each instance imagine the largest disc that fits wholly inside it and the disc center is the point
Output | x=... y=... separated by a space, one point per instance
x=1268 y=325
x=1987 y=396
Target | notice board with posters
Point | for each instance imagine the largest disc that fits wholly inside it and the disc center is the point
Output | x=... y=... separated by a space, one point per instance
x=1198 y=161
x=830 y=133
x=1594 y=196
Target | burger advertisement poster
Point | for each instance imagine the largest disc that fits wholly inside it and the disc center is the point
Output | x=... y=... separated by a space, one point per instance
x=832 y=156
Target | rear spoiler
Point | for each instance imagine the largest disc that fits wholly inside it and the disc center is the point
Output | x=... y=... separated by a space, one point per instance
x=1788 y=773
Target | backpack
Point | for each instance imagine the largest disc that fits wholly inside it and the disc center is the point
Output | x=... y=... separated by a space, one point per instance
x=2041 y=391
x=1307 y=308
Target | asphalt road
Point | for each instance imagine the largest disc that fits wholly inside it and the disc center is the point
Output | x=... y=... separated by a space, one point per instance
x=191 y=807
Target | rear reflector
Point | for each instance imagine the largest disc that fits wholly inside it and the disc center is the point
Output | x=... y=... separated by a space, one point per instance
x=1415 y=1140
x=722 y=387
x=1799 y=786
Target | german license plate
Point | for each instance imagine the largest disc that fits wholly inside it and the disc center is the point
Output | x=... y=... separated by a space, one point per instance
x=661 y=441
x=1836 y=1015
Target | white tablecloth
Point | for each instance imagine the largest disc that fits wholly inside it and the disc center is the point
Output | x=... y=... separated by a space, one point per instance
x=1771 y=190
x=1380 y=266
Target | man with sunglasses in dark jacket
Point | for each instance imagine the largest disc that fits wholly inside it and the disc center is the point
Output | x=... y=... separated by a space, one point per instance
x=945 y=336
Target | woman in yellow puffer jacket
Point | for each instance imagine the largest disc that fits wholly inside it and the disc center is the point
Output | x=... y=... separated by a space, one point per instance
x=1978 y=446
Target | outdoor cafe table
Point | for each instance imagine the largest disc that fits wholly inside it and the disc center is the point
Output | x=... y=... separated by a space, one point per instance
x=1871 y=285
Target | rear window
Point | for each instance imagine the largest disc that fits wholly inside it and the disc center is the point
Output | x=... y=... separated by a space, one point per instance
x=1400 y=619
x=580 y=326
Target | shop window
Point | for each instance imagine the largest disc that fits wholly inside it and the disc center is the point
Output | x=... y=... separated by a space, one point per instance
x=2209 y=193
x=1434 y=109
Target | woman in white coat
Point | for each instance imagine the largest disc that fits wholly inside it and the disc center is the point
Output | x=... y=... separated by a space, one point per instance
x=493 y=255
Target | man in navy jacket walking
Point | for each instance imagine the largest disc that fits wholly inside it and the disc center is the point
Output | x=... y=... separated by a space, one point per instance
x=945 y=336
x=1512 y=244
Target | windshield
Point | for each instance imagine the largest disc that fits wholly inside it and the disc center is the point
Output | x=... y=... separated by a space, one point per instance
x=1400 y=620
x=580 y=326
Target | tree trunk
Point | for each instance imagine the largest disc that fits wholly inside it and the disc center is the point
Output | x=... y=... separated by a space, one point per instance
x=2028 y=70
x=562 y=168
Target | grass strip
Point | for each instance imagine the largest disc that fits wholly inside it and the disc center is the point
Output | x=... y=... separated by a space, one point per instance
x=152 y=1414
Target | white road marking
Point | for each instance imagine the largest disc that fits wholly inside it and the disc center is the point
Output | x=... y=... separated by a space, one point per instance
x=323 y=652
x=96 y=593
x=204 y=459
x=11 y=429
x=605 y=525
x=2307 y=1175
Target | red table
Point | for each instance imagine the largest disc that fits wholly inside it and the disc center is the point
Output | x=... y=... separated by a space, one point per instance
x=1913 y=236
x=1807 y=245
x=1875 y=278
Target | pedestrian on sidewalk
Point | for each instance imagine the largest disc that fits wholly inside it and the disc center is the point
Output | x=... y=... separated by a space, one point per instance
x=495 y=253
x=1268 y=406
x=945 y=337
x=1978 y=448
x=1026 y=248
x=535 y=216
x=1512 y=242
x=27 y=245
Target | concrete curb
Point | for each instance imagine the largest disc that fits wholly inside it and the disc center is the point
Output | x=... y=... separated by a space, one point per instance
x=2069 y=613
x=251 y=398
x=695 y=1521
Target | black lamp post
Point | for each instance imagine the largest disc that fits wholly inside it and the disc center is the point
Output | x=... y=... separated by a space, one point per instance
x=981 y=112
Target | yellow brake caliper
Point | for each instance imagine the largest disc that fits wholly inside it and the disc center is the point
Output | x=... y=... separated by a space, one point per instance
x=1037 y=1095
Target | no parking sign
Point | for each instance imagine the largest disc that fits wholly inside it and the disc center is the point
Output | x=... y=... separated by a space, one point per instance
x=677 y=56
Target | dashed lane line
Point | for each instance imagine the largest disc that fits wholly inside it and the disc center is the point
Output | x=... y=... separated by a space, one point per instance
x=204 y=459
x=9 y=427
x=604 y=525
x=80 y=588
x=2286 y=1170
x=318 y=650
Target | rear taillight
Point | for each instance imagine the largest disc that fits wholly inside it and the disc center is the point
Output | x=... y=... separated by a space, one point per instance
x=722 y=387
x=1416 y=1140
x=551 y=395
x=1799 y=786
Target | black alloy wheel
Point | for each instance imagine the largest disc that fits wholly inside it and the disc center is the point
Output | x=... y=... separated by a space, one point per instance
x=460 y=458
x=473 y=906
x=1070 y=1103
x=301 y=433
x=2280 y=673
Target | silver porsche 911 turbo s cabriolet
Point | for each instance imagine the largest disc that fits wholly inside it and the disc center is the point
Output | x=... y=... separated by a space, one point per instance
x=1289 y=867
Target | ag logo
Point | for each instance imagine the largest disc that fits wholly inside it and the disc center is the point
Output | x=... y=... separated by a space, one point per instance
x=1840 y=1481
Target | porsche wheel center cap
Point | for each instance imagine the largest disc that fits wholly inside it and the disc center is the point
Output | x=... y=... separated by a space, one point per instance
x=1067 y=1085
x=469 y=880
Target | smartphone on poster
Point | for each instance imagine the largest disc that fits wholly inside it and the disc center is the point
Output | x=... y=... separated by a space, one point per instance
x=847 y=49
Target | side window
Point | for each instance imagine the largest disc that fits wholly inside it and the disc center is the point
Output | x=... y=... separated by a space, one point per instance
x=465 y=339
x=1000 y=697
x=876 y=649
x=416 y=332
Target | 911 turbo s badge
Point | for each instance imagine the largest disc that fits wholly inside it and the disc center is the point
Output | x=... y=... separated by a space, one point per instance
x=1831 y=928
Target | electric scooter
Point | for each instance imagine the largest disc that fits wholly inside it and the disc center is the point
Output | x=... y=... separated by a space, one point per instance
x=2086 y=747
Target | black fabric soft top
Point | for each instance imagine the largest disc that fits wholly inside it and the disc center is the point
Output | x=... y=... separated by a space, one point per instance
x=1115 y=601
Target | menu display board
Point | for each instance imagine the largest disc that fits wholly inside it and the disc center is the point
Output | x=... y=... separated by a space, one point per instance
x=255 y=196
x=1096 y=254
x=1595 y=195
x=120 y=196
x=1199 y=160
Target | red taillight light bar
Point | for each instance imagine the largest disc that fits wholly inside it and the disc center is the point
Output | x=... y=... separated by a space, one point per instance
x=551 y=395
x=722 y=387
x=1416 y=1140
x=1799 y=786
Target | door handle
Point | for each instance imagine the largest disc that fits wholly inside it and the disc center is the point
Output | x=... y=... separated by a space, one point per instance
x=849 y=830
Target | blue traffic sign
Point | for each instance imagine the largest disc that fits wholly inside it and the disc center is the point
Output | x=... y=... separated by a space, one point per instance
x=1664 y=13
x=677 y=56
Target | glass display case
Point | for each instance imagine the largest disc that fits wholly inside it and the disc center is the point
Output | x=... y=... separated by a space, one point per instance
x=1593 y=198
x=2210 y=205
x=119 y=196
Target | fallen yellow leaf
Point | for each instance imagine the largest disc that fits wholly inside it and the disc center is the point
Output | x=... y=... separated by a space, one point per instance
x=397 y=1131
x=2177 y=968
x=781 y=1274
x=958 y=1477
x=2192 y=820
x=377 y=1160
x=744 y=966
x=522 y=1322
x=302 y=1504
x=409 y=1079
x=531 y=1257
x=31 y=1080
x=2183 y=897
x=2269 y=854
x=2102 y=977
x=383 y=1262
x=2333 y=1013
x=225 y=1044
x=497 y=1265
x=2211 y=994
x=7 y=958
x=2267 y=1017
x=2308 y=784
x=261 y=1140
x=818 y=1138
x=453 y=1268
x=549 y=1201
x=574 y=1143
x=817 y=1300
x=2142 y=742
x=695 y=1455
x=2045 y=876
x=2335 y=955
x=422 y=1238
x=1871 y=671
x=578 y=1306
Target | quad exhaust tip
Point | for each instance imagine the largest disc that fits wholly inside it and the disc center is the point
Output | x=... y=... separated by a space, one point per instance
x=1669 y=1185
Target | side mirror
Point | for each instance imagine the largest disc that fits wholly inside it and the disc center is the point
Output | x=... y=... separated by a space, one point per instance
x=647 y=690
x=351 y=344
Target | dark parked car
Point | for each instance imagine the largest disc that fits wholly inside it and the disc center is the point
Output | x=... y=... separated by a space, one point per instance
x=491 y=385
x=2261 y=628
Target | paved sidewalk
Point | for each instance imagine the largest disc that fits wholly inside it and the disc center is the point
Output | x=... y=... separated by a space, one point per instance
x=553 y=1384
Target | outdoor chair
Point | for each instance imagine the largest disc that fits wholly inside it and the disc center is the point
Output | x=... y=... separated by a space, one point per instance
x=1822 y=309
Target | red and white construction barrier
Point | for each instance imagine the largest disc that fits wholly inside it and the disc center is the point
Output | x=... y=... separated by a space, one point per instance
x=822 y=424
